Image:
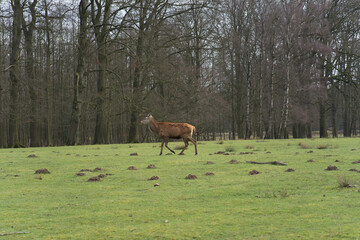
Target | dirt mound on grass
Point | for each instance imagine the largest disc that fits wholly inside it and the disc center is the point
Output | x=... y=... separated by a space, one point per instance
x=31 y=156
x=133 y=154
x=290 y=170
x=311 y=160
x=209 y=174
x=191 y=176
x=153 y=178
x=85 y=170
x=331 y=168
x=354 y=170
x=98 y=169
x=222 y=153
x=42 y=171
x=80 y=174
x=254 y=172
x=151 y=166
x=358 y=161
x=94 y=179
x=210 y=162
x=234 y=161
x=132 y=168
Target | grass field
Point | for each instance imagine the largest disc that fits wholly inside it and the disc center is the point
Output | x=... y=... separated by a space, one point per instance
x=305 y=204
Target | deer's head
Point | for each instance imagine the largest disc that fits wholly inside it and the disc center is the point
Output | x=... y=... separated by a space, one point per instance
x=147 y=119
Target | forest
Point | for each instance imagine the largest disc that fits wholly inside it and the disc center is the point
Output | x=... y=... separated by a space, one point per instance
x=87 y=71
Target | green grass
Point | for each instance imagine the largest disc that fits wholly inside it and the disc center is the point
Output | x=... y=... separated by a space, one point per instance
x=305 y=204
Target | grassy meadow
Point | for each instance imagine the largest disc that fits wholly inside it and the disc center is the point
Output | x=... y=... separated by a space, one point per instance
x=308 y=203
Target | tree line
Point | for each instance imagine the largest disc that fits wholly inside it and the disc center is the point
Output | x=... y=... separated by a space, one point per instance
x=86 y=72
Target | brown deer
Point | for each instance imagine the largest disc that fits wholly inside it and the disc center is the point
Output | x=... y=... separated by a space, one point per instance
x=167 y=130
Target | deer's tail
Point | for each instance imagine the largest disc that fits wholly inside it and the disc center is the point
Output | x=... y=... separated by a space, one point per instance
x=193 y=130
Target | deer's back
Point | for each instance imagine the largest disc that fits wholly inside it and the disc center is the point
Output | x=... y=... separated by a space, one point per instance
x=176 y=130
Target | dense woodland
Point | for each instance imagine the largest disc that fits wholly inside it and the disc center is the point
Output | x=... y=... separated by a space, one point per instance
x=87 y=71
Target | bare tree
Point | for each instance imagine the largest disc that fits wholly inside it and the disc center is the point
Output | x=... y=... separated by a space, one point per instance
x=28 y=30
x=149 y=15
x=3 y=77
x=100 y=16
x=74 y=133
x=14 y=71
x=48 y=78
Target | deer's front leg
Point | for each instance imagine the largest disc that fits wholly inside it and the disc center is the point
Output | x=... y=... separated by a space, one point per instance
x=166 y=145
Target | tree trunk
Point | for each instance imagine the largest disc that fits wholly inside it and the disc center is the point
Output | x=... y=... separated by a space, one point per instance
x=134 y=115
x=101 y=35
x=309 y=130
x=347 y=114
x=333 y=115
x=28 y=30
x=48 y=77
x=238 y=97
x=300 y=130
x=14 y=72
x=283 y=133
x=247 y=116
x=233 y=116
x=260 y=120
x=232 y=97
x=3 y=143
x=270 y=133
x=323 y=128
x=74 y=133
x=101 y=127
x=133 y=126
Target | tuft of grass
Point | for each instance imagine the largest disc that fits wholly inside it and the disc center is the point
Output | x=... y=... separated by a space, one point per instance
x=249 y=147
x=229 y=148
x=345 y=182
x=322 y=146
x=304 y=145
x=220 y=142
x=275 y=194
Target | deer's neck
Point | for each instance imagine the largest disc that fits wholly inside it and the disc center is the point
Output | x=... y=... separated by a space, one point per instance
x=154 y=126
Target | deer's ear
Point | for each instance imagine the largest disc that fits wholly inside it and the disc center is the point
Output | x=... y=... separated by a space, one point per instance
x=149 y=115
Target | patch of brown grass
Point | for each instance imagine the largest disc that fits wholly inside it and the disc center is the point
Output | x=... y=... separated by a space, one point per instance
x=304 y=145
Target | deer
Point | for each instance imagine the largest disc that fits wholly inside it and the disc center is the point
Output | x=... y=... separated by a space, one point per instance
x=167 y=130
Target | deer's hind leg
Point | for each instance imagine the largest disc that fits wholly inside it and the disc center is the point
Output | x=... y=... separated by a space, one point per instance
x=186 y=141
x=162 y=146
x=195 y=144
